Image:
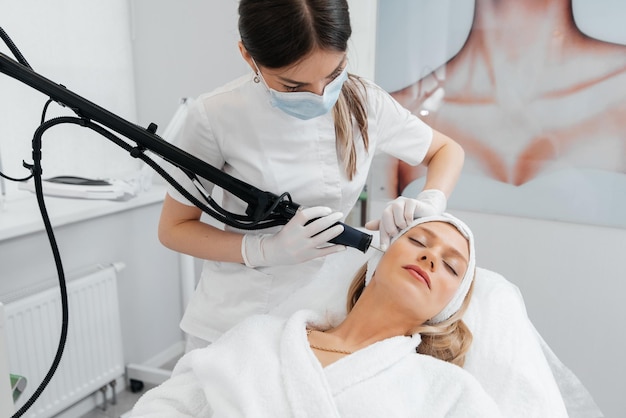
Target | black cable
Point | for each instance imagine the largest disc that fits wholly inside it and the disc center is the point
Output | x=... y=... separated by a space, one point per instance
x=15 y=179
x=20 y=58
x=36 y=171
x=45 y=109
x=43 y=119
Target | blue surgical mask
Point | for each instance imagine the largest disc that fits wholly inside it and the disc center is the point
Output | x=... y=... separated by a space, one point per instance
x=306 y=105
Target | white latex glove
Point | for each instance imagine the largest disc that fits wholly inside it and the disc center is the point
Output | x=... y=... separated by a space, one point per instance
x=400 y=212
x=296 y=242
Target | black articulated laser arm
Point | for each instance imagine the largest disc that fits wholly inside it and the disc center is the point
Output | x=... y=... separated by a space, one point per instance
x=264 y=208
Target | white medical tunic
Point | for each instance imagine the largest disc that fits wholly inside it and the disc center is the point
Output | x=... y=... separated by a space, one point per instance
x=235 y=129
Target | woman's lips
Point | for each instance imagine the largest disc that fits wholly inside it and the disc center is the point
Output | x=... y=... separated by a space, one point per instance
x=418 y=273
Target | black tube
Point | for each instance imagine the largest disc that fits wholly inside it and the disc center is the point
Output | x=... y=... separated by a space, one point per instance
x=258 y=201
x=261 y=204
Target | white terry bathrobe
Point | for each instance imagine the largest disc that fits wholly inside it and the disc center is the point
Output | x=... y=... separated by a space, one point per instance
x=264 y=367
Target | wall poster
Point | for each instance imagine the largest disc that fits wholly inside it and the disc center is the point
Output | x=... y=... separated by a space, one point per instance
x=535 y=92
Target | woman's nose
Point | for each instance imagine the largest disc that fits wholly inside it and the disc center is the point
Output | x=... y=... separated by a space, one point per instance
x=428 y=260
x=317 y=88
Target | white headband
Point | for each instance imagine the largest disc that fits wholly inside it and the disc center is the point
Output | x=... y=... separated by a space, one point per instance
x=457 y=300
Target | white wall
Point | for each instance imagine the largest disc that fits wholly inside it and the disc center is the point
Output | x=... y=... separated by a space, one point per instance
x=86 y=47
x=361 y=48
x=181 y=49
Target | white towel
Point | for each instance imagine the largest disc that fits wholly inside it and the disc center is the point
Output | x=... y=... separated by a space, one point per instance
x=386 y=379
x=264 y=367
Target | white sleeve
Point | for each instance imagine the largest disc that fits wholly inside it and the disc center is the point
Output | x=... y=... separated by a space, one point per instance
x=396 y=130
x=198 y=140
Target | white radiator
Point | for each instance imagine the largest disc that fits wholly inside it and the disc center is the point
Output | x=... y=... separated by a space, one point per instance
x=93 y=355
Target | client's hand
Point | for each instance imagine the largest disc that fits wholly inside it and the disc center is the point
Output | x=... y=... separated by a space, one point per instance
x=400 y=212
x=297 y=241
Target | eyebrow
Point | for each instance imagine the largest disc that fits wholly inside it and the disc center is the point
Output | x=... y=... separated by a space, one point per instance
x=451 y=249
x=300 y=84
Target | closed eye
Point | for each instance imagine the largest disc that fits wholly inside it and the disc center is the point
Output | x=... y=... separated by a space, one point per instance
x=416 y=241
x=450 y=269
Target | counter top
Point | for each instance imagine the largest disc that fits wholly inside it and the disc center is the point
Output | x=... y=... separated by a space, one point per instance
x=20 y=215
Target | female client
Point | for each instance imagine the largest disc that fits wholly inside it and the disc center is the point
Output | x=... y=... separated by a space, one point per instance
x=396 y=354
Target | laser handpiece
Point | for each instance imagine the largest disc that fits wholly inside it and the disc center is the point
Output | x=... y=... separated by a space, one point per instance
x=352 y=237
x=355 y=238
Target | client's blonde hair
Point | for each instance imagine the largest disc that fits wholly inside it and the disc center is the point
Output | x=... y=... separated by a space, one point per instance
x=448 y=340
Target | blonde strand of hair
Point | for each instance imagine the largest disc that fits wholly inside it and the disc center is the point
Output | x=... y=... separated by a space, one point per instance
x=348 y=111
